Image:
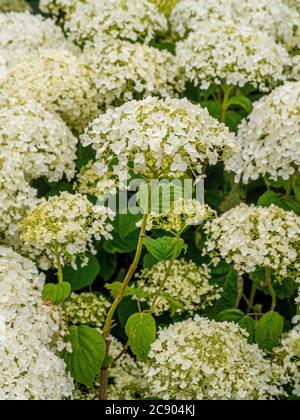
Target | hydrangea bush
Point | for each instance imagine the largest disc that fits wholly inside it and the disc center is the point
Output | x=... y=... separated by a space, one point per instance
x=149 y=200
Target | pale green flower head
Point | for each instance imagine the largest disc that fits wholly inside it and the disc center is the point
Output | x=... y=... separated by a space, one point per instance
x=14 y=6
x=66 y=225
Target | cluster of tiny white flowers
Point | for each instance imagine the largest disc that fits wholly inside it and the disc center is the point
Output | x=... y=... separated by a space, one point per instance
x=16 y=195
x=30 y=369
x=180 y=214
x=187 y=283
x=126 y=380
x=294 y=4
x=160 y=137
x=270 y=137
x=294 y=70
x=132 y=20
x=3 y=66
x=87 y=309
x=273 y=17
x=90 y=182
x=66 y=225
x=165 y=6
x=120 y=71
x=206 y=360
x=57 y=80
x=60 y=9
x=43 y=140
x=254 y=237
x=14 y=6
x=24 y=33
x=286 y=361
x=220 y=53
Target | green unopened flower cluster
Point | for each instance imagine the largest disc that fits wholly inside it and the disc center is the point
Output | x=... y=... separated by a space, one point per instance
x=181 y=214
x=64 y=226
x=187 y=283
x=87 y=309
x=206 y=360
x=14 y=6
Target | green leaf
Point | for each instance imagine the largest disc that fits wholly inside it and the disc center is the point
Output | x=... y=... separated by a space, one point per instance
x=83 y=276
x=224 y=275
x=121 y=245
x=141 y=332
x=88 y=353
x=174 y=304
x=56 y=293
x=108 y=265
x=241 y=101
x=296 y=187
x=164 y=248
x=230 y=315
x=270 y=197
x=269 y=330
x=162 y=195
x=213 y=107
x=248 y=324
x=149 y=261
x=128 y=307
x=233 y=120
x=127 y=224
x=116 y=286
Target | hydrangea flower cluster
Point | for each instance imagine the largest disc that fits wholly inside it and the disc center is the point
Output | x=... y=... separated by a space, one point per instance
x=3 y=66
x=286 y=360
x=14 y=6
x=24 y=33
x=66 y=225
x=57 y=80
x=160 y=137
x=90 y=182
x=132 y=20
x=270 y=137
x=220 y=53
x=251 y=237
x=43 y=140
x=87 y=309
x=273 y=17
x=187 y=283
x=16 y=195
x=60 y=9
x=30 y=369
x=206 y=360
x=165 y=6
x=121 y=71
x=180 y=214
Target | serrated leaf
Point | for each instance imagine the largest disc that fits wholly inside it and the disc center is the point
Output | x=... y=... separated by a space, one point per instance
x=174 y=304
x=241 y=101
x=88 y=353
x=164 y=248
x=230 y=315
x=128 y=307
x=214 y=108
x=269 y=330
x=83 y=276
x=141 y=332
x=56 y=293
x=270 y=197
x=127 y=224
x=116 y=286
x=224 y=275
x=248 y=324
x=149 y=261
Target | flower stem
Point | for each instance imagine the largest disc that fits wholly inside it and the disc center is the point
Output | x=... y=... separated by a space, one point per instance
x=252 y=297
x=162 y=285
x=270 y=288
x=108 y=323
x=225 y=105
x=58 y=262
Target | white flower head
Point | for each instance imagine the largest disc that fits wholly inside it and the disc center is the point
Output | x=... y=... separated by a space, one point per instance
x=66 y=225
x=198 y=359
x=159 y=129
x=23 y=33
x=252 y=237
x=30 y=332
x=55 y=78
x=14 y=6
x=46 y=145
x=187 y=283
x=219 y=53
x=269 y=139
